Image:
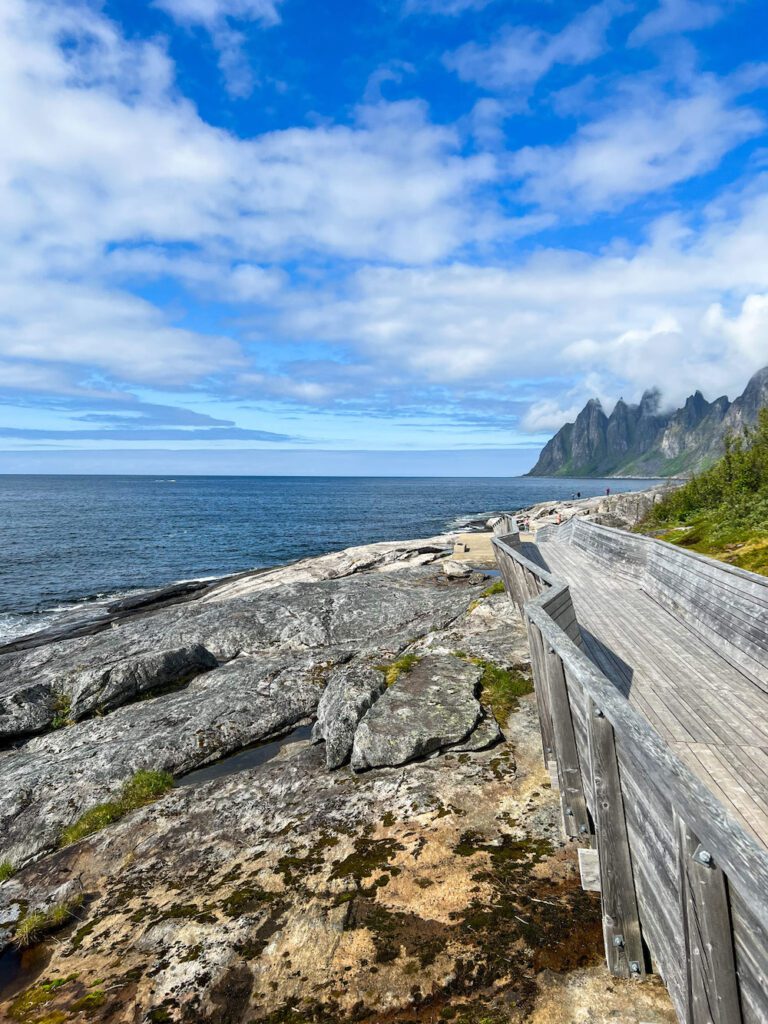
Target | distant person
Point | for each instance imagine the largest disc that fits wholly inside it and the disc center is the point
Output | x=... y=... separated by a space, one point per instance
x=608 y=491
x=578 y=494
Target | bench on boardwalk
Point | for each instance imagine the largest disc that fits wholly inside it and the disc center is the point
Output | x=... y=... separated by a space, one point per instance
x=651 y=673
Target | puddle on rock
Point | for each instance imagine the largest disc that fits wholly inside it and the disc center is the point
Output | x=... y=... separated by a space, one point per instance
x=20 y=967
x=248 y=757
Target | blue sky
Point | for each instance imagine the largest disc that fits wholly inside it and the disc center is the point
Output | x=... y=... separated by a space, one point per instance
x=244 y=235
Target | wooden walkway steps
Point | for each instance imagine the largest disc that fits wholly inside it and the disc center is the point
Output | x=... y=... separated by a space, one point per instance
x=651 y=673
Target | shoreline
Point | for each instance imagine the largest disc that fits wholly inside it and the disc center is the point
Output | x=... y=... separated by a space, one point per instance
x=90 y=615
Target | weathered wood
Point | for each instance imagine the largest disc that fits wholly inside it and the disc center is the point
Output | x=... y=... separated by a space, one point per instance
x=541 y=689
x=621 y=921
x=706 y=756
x=713 y=994
x=589 y=869
x=506 y=527
x=739 y=854
x=576 y=821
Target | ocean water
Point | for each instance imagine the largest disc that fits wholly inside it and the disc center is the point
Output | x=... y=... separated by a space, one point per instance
x=67 y=542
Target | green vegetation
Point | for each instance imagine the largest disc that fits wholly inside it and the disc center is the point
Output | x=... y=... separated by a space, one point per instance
x=7 y=870
x=62 y=710
x=499 y=687
x=143 y=788
x=32 y=927
x=395 y=669
x=495 y=588
x=723 y=512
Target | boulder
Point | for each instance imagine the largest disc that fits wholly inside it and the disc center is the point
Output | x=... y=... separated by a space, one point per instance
x=432 y=706
x=107 y=688
x=351 y=690
x=456 y=570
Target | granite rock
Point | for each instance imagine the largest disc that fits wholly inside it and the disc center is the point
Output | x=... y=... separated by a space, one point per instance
x=351 y=690
x=432 y=706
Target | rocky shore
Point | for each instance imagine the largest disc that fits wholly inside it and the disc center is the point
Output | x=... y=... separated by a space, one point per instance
x=405 y=863
x=622 y=510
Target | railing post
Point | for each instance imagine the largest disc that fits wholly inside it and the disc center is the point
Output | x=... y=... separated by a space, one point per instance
x=576 y=820
x=541 y=689
x=621 y=922
x=712 y=985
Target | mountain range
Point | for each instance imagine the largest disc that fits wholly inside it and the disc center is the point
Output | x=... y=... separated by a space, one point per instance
x=642 y=441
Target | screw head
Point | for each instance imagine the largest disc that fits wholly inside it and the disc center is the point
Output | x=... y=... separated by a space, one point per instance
x=618 y=941
x=599 y=713
x=704 y=857
x=634 y=966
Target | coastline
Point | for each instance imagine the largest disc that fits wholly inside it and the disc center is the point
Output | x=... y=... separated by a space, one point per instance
x=90 y=613
x=304 y=886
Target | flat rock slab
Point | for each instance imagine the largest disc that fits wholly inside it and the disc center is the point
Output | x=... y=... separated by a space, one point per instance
x=432 y=706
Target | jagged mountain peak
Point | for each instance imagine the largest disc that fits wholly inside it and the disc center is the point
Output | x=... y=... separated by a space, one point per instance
x=639 y=440
x=650 y=402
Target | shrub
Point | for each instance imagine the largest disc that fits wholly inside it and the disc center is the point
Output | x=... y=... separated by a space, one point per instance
x=724 y=510
x=143 y=788
x=62 y=710
x=7 y=870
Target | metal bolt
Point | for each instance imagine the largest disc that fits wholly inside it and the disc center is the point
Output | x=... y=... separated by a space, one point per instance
x=618 y=941
x=569 y=812
x=599 y=713
x=704 y=857
x=583 y=830
x=634 y=966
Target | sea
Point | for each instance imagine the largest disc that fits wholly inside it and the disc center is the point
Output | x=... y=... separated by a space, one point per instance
x=70 y=543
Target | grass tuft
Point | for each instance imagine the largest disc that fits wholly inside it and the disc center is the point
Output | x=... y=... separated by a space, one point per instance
x=495 y=588
x=395 y=669
x=500 y=687
x=143 y=788
x=7 y=870
x=32 y=927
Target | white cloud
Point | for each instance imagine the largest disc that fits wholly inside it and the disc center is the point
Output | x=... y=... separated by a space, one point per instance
x=212 y=12
x=108 y=172
x=672 y=16
x=684 y=311
x=121 y=334
x=649 y=142
x=522 y=55
x=447 y=8
x=218 y=18
x=548 y=415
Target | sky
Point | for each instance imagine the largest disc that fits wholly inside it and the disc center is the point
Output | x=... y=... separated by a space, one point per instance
x=298 y=235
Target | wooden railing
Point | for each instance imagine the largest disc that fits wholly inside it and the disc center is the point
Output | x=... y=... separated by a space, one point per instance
x=684 y=888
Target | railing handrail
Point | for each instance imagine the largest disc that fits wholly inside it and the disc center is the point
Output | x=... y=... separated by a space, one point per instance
x=653 y=542
x=743 y=859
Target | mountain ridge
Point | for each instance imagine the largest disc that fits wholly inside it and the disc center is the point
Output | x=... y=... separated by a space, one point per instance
x=640 y=441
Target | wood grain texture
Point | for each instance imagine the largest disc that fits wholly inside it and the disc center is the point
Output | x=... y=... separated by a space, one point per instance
x=712 y=988
x=621 y=920
x=689 y=719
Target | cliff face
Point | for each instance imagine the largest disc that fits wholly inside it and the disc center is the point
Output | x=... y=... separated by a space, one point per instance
x=638 y=440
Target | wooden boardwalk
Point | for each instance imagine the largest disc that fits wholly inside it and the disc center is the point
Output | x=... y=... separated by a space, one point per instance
x=651 y=672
